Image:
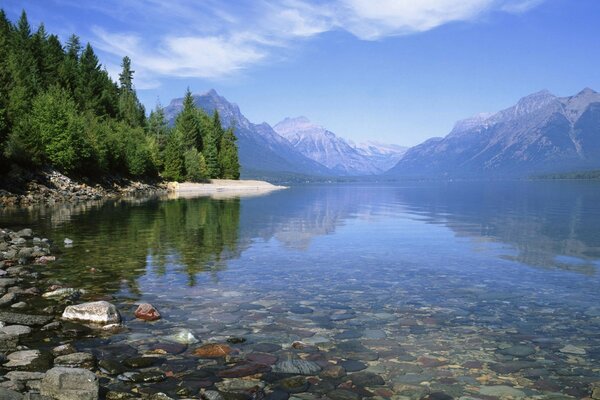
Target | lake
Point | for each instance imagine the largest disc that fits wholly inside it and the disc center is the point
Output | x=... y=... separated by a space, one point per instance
x=466 y=289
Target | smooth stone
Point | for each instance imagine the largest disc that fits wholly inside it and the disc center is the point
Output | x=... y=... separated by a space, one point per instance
x=8 y=299
x=366 y=379
x=501 y=391
x=111 y=367
x=147 y=312
x=16 y=330
x=63 y=350
x=25 y=319
x=294 y=384
x=570 y=349
x=518 y=351
x=299 y=367
x=266 y=347
x=333 y=372
x=212 y=350
x=52 y=326
x=61 y=293
x=343 y=394
x=301 y=310
x=7 y=394
x=243 y=369
x=239 y=385
x=76 y=360
x=96 y=312
x=70 y=384
x=22 y=358
x=262 y=358
x=211 y=395
x=183 y=336
x=353 y=365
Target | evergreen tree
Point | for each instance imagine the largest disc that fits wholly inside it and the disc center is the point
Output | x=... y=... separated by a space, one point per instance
x=173 y=159
x=130 y=109
x=230 y=165
x=211 y=154
x=158 y=128
x=195 y=166
x=91 y=82
x=5 y=80
x=188 y=123
x=59 y=129
x=217 y=129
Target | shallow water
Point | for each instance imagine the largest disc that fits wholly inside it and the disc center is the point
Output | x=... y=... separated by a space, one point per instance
x=464 y=288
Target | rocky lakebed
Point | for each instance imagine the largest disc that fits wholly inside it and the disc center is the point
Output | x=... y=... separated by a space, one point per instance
x=66 y=343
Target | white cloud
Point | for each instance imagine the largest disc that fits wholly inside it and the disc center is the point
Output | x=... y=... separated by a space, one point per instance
x=216 y=39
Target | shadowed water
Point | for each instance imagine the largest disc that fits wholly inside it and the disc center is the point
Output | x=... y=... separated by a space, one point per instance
x=464 y=288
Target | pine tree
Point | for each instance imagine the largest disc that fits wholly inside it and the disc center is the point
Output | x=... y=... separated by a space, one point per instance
x=188 y=123
x=211 y=154
x=230 y=165
x=5 y=80
x=173 y=159
x=91 y=82
x=130 y=109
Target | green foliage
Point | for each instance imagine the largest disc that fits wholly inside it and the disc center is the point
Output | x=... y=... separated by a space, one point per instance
x=59 y=129
x=230 y=165
x=188 y=123
x=195 y=166
x=173 y=158
x=59 y=107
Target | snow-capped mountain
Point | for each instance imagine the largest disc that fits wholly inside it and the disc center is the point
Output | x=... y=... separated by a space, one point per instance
x=339 y=155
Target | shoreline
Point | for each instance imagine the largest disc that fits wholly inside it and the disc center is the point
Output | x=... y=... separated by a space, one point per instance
x=22 y=188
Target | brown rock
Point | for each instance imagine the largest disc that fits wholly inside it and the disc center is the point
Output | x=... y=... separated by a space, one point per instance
x=262 y=358
x=147 y=312
x=212 y=350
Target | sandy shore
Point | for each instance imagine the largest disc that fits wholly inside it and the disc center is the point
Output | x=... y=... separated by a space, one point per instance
x=220 y=188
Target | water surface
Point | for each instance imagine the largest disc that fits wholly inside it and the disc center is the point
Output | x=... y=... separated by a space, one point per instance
x=464 y=288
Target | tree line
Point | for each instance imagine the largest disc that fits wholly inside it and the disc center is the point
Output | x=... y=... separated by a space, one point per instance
x=59 y=107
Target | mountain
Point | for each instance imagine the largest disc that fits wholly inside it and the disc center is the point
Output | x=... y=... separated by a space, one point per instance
x=383 y=156
x=342 y=157
x=262 y=151
x=541 y=133
x=323 y=146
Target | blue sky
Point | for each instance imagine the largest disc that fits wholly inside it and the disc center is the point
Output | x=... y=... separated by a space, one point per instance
x=397 y=71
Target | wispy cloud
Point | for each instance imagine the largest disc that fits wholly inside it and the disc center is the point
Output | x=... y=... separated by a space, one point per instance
x=213 y=39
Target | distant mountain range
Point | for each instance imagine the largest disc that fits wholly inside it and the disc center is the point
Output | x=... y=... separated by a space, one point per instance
x=265 y=152
x=337 y=154
x=542 y=133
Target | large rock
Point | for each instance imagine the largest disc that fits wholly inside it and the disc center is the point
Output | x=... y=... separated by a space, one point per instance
x=96 y=312
x=76 y=360
x=30 y=360
x=25 y=319
x=70 y=384
x=297 y=367
x=7 y=394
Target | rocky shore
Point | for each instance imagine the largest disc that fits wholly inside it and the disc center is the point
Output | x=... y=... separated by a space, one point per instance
x=20 y=187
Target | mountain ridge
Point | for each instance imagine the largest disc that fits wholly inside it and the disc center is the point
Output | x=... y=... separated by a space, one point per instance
x=540 y=133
